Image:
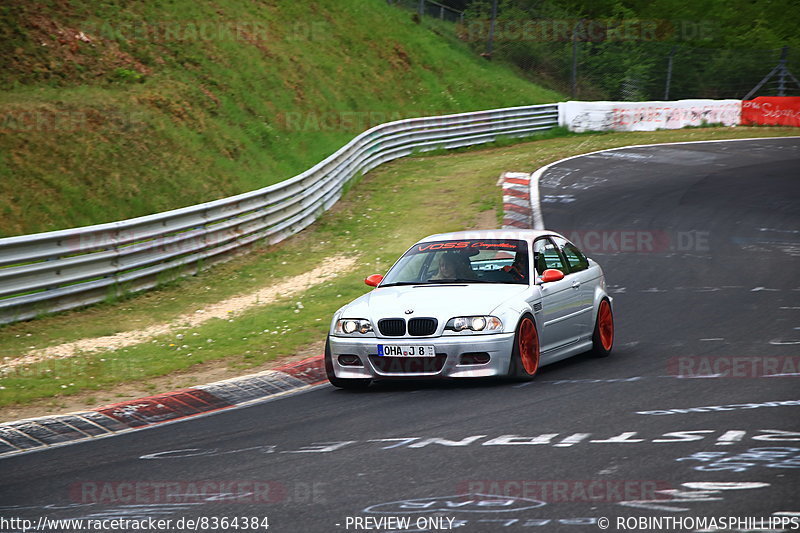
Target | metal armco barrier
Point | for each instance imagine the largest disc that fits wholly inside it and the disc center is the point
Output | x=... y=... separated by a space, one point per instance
x=59 y=270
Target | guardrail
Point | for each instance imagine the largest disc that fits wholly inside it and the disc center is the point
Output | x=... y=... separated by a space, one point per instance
x=59 y=270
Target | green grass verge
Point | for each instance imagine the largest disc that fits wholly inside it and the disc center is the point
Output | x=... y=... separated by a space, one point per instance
x=385 y=212
x=170 y=104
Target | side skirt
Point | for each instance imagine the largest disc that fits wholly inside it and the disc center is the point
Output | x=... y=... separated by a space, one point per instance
x=564 y=352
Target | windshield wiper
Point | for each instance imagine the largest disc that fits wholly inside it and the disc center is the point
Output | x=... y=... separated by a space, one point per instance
x=444 y=281
x=454 y=280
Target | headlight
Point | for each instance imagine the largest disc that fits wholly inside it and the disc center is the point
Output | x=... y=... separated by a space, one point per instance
x=349 y=326
x=475 y=323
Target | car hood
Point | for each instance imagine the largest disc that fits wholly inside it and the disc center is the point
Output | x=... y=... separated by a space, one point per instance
x=439 y=301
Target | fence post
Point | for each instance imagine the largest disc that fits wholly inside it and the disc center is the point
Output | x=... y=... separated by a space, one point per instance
x=782 y=72
x=574 y=71
x=780 y=67
x=490 y=42
x=421 y=8
x=669 y=72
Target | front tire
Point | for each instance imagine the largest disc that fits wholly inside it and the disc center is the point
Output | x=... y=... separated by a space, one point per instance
x=525 y=355
x=603 y=336
x=350 y=384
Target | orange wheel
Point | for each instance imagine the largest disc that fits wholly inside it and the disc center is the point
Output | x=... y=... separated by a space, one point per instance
x=525 y=358
x=603 y=337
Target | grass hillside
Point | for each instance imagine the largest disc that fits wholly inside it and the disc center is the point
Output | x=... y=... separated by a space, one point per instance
x=116 y=109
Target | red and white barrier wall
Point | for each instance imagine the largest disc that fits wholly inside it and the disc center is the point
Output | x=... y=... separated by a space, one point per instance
x=771 y=111
x=647 y=116
x=650 y=116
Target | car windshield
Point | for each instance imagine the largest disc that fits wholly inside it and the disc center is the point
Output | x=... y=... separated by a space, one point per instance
x=462 y=261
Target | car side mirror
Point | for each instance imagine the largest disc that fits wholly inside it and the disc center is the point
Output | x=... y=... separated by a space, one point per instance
x=375 y=279
x=552 y=274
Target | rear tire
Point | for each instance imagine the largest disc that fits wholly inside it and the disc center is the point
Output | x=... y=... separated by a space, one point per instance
x=525 y=355
x=603 y=336
x=350 y=384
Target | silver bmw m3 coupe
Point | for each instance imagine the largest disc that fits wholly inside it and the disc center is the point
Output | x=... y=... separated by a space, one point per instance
x=473 y=304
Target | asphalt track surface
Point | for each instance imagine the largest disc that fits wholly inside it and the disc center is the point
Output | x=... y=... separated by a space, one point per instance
x=714 y=277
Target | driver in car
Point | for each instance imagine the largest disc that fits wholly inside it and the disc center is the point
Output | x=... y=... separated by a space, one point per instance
x=519 y=268
x=453 y=266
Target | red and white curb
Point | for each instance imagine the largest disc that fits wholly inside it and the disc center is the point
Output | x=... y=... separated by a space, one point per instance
x=517 y=212
x=37 y=433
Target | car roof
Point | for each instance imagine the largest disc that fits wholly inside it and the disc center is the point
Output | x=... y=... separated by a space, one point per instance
x=520 y=234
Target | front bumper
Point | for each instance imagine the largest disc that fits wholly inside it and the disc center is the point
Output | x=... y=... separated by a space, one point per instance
x=447 y=364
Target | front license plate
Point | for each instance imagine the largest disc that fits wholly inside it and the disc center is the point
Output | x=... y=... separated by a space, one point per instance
x=403 y=350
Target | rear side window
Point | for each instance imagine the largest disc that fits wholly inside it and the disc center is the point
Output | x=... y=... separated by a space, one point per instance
x=575 y=258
